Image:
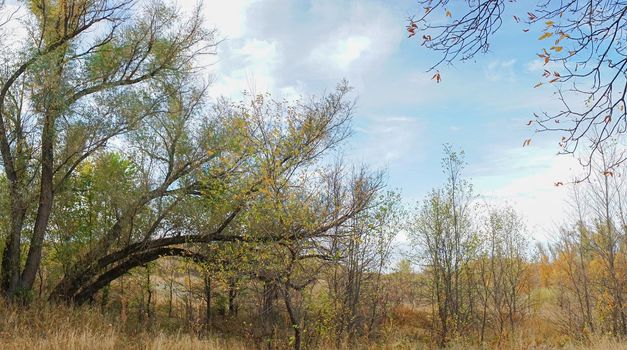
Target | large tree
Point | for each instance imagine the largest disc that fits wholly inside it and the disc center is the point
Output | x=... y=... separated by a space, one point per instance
x=84 y=72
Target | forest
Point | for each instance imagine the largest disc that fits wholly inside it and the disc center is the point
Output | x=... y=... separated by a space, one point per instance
x=138 y=210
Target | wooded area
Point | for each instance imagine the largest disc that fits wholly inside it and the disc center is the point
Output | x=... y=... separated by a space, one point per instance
x=137 y=207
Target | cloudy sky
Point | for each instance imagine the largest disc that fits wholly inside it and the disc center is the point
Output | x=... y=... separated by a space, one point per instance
x=402 y=119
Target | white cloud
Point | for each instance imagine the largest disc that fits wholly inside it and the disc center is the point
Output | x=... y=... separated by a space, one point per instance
x=387 y=139
x=343 y=52
x=525 y=178
x=500 y=70
x=229 y=17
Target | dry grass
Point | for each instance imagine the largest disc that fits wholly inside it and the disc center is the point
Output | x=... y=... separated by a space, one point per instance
x=44 y=326
x=61 y=327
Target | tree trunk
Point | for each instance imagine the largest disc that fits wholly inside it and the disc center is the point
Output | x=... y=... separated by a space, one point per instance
x=208 y=299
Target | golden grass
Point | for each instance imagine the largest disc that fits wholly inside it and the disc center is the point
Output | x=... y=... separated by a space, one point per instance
x=49 y=327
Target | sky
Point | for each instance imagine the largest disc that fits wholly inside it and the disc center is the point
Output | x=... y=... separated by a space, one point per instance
x=402 y=118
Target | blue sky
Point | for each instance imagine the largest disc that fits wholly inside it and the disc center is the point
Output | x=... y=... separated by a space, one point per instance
x=402 y=119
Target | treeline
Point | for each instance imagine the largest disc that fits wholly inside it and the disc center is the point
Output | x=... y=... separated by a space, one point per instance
x=485 y=282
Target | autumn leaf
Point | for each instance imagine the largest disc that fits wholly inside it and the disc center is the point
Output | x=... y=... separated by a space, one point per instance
x=527 y=142
x=530 y=122
x=448 y=13
x=546 y=73
x=411 y=28
x=608 y=119
x=553 y=80
x=558 y=184
x=525 y=30
x=549 y=23
x=608 y=173
x=537 y=85
x=556 y=48
x=531 y=16
x=545 y=35
x=516 y=19
x=437 y=77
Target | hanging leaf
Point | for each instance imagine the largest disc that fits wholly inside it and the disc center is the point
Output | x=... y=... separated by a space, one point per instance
x=545 y=35
x=437 y=77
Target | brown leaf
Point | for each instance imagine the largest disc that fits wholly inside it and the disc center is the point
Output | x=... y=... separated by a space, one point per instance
x=437 y=77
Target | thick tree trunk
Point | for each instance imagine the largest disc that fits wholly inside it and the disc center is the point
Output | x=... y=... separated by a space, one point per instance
x=33 y=260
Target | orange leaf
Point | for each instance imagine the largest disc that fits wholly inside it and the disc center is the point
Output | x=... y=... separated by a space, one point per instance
x=448 y=13
x=545 y=35
x=437 y=77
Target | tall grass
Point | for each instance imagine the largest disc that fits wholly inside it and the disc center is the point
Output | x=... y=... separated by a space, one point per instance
x=46 y=326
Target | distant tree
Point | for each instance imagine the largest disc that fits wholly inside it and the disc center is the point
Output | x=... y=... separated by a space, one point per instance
x=444 y=242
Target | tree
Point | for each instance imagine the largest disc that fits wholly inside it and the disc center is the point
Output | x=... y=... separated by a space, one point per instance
x=70 y=91
x=442 y=234
x=194 y=183
x=584 y=40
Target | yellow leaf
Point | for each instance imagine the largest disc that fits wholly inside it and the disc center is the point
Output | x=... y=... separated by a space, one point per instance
x=549 y=23
x=556 y=48
x=545 y=35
